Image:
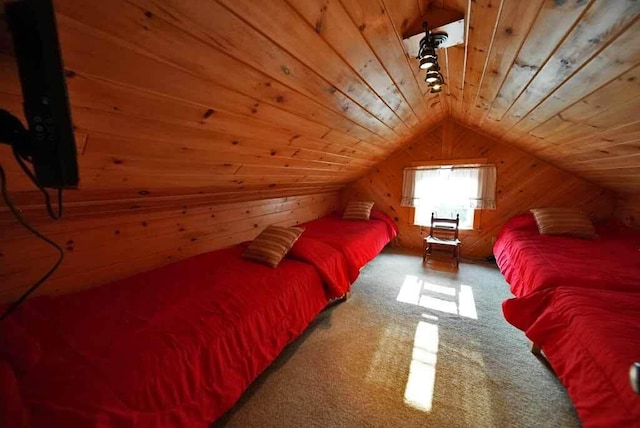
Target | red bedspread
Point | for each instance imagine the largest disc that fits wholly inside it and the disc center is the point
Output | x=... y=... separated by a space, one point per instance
x=591 y=338
x=176 y=346
x=359 y=241
x=330 y=264
x=530 y=261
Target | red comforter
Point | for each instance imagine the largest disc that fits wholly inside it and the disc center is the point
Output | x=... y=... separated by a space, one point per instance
x=176 y=346
x=591 y=338
x=359 y=241
x=530 y=261
x=330 y=264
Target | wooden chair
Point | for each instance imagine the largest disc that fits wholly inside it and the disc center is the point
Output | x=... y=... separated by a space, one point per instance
x=443 y=232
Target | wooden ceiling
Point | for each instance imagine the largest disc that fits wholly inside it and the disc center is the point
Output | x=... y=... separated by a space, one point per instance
x=558 y=78
x=303 y=95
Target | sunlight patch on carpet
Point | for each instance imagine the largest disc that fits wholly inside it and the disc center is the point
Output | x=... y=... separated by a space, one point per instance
x=450 y=300
x=422 y=371
x=410 y=290
x=435 y=288
x=466 y=303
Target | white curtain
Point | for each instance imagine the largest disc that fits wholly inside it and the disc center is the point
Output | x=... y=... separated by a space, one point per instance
x=486 y=195
x=408 y=188
x=418 y=186
x=470 y=187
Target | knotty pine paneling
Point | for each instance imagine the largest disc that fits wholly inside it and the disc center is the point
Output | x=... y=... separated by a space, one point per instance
x=627 y=210
x=524 y=182
x=547 y=76
x=327 y=87
x=116 y=239
x=220 y=101
x=212 y=93
x=552 y=77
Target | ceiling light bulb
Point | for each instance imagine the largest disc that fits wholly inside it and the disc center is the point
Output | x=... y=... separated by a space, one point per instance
x=432 y=77
x=427 y=63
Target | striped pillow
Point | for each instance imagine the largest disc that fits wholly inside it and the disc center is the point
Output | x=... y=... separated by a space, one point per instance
x=273 y=243
x=564 y=221
x=358 y=211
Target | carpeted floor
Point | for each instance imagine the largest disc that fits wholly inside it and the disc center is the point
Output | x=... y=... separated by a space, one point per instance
x=413 y=346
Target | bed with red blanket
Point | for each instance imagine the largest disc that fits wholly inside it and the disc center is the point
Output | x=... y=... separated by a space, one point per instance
x=176 y=346
x=591 y=338
x=359 y=241
x=530 y=261
x=579 y=301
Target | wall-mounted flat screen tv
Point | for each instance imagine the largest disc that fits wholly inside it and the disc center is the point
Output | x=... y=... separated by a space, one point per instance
x=50 y=141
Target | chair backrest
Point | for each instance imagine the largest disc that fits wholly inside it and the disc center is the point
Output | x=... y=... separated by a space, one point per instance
x=448 y=226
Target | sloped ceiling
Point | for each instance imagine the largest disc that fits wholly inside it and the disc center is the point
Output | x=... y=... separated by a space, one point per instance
x=283 y=96
x=558 y=78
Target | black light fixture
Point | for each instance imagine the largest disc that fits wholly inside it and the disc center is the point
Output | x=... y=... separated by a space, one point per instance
x=429 y=59
x=434 y=77
x=427 y=55
x=428 y=63
x=434 y=80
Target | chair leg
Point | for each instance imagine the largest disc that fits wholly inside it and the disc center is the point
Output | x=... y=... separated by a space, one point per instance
x=427 y=252
x=424 y=251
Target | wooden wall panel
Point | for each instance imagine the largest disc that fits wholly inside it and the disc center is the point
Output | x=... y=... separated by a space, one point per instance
x=542 y=74
x=328 y=86
x=524 y=182
x=627 y=210
x=211 y=93
x=480 y=35
x=223 y=101
x=116 y=239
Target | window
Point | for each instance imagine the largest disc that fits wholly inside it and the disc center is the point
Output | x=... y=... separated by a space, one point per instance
x=448 y=190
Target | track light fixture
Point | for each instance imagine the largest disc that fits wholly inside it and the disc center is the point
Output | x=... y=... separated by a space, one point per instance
x=433 y=78
x=429 y=59
x=428 y=63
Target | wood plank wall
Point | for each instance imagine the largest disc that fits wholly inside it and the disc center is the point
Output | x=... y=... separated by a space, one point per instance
x=112 y=240
x=524 y=182
x=223 y=93
x=627 y=210
x=315 y=91
x=203 y=103
x=559 y=79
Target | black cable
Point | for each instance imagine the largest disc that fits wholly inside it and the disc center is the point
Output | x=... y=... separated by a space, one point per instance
x=16 y=213
x=34 y=180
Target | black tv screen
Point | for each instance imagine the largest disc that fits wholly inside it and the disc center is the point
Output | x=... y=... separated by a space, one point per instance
x=46 y=104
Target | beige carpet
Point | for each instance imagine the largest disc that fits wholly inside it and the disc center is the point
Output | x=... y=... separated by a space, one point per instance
x=412 y=347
